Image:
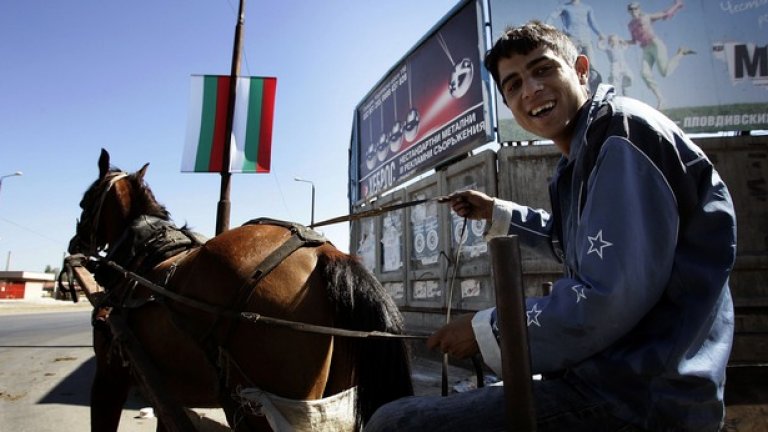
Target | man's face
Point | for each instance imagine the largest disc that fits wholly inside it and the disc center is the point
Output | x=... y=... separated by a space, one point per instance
x=544 y=93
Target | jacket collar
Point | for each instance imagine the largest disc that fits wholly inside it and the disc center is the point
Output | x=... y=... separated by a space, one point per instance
x=586 y=114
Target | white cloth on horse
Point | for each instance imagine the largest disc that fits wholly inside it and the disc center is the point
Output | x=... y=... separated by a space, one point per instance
x=332 y=414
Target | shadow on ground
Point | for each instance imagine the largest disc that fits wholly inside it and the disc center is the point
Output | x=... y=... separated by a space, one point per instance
x=75 y=389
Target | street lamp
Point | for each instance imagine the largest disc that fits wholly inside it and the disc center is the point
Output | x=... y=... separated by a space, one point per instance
x=17 y=173
x=298 y=179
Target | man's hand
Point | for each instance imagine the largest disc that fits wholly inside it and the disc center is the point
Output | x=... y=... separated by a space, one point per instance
x=472 y=204
x=455 y=338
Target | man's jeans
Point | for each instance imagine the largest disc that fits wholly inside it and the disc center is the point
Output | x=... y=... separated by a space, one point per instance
x=562 y=404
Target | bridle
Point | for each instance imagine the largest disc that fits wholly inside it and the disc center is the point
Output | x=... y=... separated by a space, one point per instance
x=112 y=179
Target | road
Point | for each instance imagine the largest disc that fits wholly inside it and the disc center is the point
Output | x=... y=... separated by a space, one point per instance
x=46 y=365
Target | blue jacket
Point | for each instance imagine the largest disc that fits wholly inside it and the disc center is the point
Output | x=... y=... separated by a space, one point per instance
x=646 y=232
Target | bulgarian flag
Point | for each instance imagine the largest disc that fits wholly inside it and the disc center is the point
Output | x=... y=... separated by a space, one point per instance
x=251 y=126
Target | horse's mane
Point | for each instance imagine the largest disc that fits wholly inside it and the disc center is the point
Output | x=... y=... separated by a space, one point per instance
x=146 y=204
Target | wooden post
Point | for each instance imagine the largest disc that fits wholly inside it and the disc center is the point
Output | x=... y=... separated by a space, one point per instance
x=512 y=324
x=92 y=290
x=172 y=414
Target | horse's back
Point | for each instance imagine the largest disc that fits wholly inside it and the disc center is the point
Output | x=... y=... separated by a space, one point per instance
x=226 y=271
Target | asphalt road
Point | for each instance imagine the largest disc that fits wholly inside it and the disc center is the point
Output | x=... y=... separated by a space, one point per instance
x=46 y=365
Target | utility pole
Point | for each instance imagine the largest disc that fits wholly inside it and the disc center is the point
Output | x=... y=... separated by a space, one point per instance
x=223 y=209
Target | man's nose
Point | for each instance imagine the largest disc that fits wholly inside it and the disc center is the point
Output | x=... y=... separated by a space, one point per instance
x=531 y=86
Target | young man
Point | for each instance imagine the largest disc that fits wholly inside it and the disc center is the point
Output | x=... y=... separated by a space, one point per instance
x=640 y=326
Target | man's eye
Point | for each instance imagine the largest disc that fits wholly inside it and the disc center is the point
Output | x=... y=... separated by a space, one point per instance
x=512 y=87
x=543 y=70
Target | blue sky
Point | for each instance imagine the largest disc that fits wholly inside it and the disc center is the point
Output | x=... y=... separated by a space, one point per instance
x=81 y=75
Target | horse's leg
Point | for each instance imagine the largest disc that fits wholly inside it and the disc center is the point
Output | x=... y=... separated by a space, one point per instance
x=110 y=383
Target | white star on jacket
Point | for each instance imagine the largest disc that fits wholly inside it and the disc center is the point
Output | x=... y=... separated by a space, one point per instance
x=533 y=315
x=597 y=244
x=579 y=290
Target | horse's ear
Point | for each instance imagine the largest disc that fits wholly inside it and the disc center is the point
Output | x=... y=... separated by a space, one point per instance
x=103 y=163
x=140 y=173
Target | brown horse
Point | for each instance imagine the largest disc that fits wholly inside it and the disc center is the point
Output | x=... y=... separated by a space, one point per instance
x=205 y=357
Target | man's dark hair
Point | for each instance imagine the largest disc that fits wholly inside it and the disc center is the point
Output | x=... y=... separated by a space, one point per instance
x=526 y=38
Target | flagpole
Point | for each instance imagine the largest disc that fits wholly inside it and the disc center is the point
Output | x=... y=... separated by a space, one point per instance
x=222 y=211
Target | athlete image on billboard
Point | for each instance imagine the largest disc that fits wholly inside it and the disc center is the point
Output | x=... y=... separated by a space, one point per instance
x=654 y=49
x=620 y=73
x=703 y=63
x=577 y=20
x=579 y=23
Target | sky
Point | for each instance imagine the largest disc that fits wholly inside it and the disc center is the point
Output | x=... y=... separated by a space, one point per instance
x=83 y=75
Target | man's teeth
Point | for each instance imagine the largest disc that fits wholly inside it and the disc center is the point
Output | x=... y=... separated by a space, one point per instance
x=536 y=111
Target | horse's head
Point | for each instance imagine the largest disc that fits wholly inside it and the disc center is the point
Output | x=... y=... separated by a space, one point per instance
x=109 y=205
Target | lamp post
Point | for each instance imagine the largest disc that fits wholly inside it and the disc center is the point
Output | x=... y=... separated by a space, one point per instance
x=17 y=173
x=298 y=179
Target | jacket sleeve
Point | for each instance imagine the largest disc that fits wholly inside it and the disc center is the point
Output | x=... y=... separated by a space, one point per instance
x=533 y=228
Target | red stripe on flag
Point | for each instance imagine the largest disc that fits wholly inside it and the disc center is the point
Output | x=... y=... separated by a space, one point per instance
x=220 y=130
x=264 y=158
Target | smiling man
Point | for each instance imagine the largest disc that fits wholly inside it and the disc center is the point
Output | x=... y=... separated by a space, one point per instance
x=636 y=334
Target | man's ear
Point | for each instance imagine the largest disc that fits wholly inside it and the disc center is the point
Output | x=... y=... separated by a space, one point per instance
x=582 y=69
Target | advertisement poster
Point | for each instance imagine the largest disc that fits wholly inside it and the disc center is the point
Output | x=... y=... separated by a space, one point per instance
x=391 y=241
x=704 y=63
x=425 y=228
x=366 y=247
x=430 y=107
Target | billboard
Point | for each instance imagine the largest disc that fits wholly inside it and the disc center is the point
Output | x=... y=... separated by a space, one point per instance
x=430 y=107
x=704 y=63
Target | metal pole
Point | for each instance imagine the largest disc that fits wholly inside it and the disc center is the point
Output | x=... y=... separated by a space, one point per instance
x=17 y=173
x=512 y=323
x=223 y=209
x=312 y=220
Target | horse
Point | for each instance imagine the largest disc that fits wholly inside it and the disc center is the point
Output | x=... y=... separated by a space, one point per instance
x=203 y=356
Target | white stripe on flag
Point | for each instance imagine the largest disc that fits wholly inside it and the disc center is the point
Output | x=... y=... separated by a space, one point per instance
x=239 y=125
x=194 y=118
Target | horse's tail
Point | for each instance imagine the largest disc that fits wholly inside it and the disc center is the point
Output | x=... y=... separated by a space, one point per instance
x=383 y=368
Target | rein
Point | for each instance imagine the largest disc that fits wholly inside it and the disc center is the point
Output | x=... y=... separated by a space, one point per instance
x=378 y=211
x=245 y=316
x=75 y=261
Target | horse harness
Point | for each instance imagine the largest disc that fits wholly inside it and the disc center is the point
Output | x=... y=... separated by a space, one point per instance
x=149 y=241
x=160 y=240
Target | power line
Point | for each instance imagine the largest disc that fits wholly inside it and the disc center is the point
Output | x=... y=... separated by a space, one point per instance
x=30 y=230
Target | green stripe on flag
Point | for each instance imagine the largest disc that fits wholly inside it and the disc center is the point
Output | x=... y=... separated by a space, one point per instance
x=207 y=123
x=253 y=126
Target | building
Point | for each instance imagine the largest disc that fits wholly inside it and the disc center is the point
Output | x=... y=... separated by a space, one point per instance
x=24 y=285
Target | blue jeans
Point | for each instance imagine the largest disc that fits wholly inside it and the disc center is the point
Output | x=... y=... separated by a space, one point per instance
x=562 y=404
